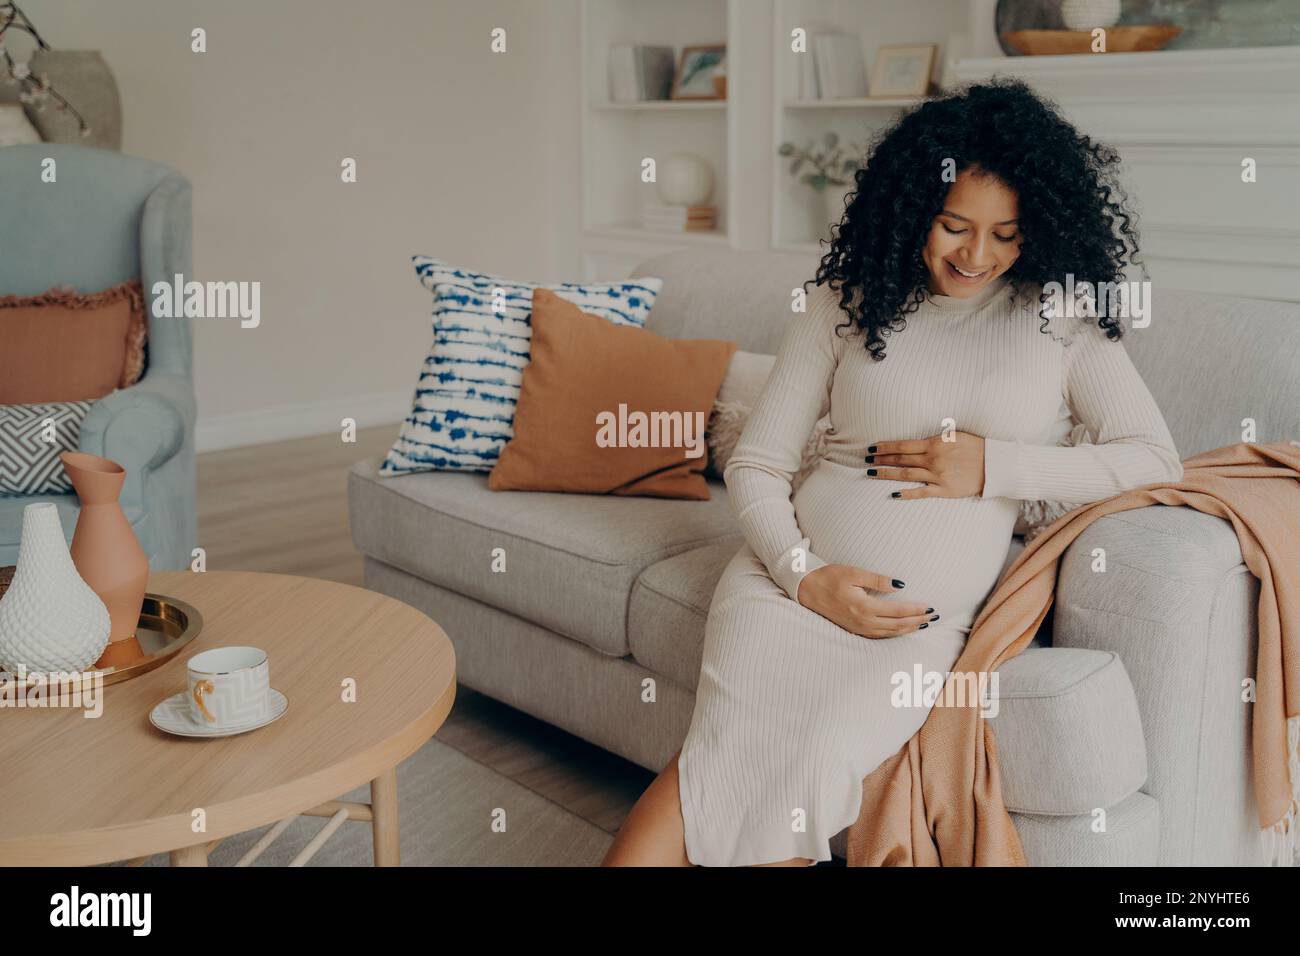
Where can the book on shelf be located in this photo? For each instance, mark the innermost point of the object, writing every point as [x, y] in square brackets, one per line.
[840, 69]
[702, 218]
[689, 227]
[638, 73]
[808, 89]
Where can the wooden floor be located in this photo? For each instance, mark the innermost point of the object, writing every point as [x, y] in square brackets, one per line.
[283, 507]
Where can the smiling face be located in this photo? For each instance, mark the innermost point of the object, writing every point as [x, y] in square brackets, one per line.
[976, 237]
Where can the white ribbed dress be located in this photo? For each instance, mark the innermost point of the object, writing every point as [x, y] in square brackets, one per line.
[792, 712]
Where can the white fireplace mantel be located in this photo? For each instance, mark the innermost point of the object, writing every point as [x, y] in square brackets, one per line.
[1197, 97]
[1184, 123]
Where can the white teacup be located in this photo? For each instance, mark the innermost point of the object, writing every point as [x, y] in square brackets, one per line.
[229, 687]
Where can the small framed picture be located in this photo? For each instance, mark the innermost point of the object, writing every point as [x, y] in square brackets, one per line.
[696, 72]
[903, 70]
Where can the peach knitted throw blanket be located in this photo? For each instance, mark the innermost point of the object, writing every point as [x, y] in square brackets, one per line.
[938, 801]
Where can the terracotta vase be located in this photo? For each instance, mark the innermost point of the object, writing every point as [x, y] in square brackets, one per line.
[104, 548]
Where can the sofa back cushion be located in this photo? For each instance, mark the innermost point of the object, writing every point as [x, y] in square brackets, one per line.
[1210, 361]
[743, 297]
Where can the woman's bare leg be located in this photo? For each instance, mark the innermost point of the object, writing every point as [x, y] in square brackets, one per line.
[653, 833]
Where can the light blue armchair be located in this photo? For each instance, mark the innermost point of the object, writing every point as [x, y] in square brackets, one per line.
[105, 219]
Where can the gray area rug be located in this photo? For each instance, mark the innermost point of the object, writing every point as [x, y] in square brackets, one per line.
[447, 804]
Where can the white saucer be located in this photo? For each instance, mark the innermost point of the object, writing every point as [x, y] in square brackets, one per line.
[173, 715]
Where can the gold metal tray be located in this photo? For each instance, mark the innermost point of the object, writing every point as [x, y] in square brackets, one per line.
[166, 625]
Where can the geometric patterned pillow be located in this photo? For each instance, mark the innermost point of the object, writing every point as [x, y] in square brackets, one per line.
[29, 460]
[463, 411]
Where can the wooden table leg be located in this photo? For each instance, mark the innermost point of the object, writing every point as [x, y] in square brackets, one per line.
[383, 802]
[196, 855]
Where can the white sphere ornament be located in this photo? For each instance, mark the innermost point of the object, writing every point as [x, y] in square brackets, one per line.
[50, 619]
[684, 179]
[1089, 14]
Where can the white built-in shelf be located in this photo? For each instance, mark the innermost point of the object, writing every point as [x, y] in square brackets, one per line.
[633, 231]
[665, 106]
[1184, 120]
[618, 137]
[798, 215]
[853, 103]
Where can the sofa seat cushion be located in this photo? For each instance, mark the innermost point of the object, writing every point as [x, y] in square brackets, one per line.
[570, 560]
[1068, 730]
[670, 604]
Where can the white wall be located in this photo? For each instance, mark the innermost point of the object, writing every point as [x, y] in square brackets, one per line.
[476, 158]
[453, 146]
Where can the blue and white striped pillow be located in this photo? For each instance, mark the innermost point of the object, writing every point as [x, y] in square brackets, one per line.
[464, 407]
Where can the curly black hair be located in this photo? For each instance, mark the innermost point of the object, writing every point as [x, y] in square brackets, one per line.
[1074, 215]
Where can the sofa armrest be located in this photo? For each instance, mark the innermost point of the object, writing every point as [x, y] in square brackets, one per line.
[141, 427]
[1160, 563]
[1177, 604]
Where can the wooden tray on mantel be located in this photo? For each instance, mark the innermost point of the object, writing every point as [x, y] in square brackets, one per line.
[1066, 42]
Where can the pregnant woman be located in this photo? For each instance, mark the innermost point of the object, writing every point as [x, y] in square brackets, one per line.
[874, 571]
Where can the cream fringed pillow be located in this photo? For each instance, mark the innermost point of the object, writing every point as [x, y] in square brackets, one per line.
[64, 346]
[727, 421]
[1035, 516]
[746, 375]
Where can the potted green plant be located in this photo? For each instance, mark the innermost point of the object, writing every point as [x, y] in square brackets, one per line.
[828, 168]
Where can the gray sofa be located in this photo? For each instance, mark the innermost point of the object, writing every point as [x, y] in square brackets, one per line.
[1128, 702]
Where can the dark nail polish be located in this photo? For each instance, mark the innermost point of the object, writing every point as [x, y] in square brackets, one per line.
[923, 627]
[935, 618]
[871, 471]
[895, 494]
[871, 449]
[897, 583]
[929, 610]
[871, 459]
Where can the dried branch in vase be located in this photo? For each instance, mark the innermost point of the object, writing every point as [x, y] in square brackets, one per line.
[34, 90]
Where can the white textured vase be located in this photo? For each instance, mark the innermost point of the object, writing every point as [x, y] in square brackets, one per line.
[50, 619]
[1089, 14]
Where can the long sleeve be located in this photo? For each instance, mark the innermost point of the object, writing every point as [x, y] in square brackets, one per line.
[1104, 392]
[767, 457]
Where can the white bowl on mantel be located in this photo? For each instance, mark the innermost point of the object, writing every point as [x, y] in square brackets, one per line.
[1090, 14]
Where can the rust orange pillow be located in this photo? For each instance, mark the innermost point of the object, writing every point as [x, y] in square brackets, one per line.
[607, 409]
[62, 346]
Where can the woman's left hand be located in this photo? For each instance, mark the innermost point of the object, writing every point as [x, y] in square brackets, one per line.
[950, 469]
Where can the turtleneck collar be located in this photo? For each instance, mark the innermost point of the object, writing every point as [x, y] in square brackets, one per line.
[949, 303]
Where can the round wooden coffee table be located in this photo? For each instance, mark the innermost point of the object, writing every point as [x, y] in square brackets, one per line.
[79, 790]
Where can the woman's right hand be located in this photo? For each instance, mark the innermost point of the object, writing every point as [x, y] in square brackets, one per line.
[842, 594]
